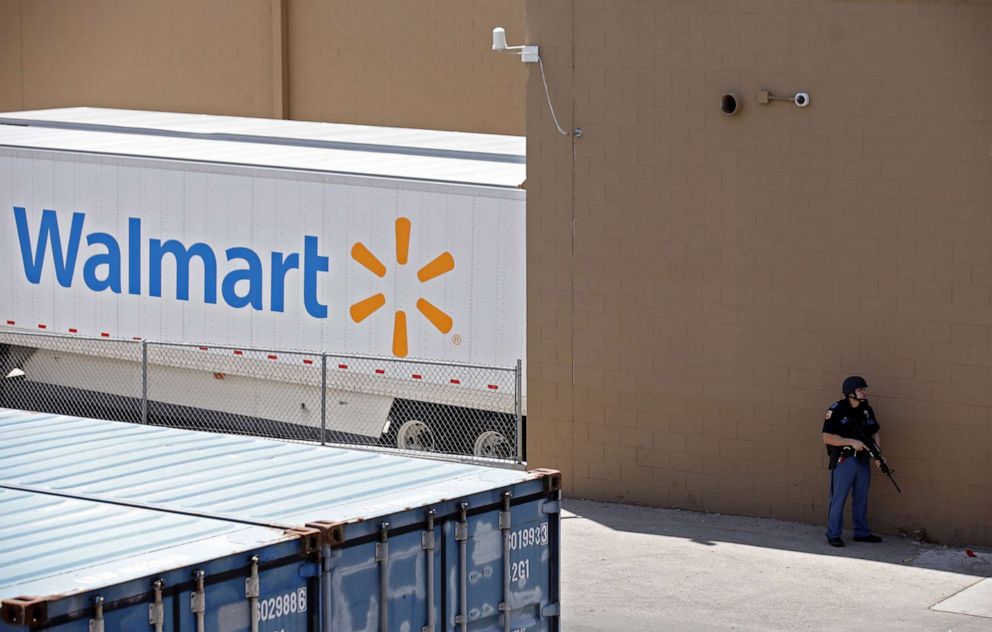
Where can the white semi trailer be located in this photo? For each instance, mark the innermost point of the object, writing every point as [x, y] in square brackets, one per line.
[236, 233]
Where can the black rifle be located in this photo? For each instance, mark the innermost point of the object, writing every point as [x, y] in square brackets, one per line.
[876, 454]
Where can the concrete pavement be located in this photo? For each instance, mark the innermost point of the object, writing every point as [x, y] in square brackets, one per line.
[638, 568]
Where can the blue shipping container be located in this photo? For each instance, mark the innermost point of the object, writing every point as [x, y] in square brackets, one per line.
[68, 564]
[405, 544]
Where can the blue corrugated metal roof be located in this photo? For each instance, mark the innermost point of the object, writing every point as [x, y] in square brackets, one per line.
[243, 478]
[55, 545]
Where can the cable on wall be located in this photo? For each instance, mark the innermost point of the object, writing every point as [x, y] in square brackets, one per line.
[547, 93]
[529, 54]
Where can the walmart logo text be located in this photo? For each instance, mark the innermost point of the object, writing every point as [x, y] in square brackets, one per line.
[241, 285]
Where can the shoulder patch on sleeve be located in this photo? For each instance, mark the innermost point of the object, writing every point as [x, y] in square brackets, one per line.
[829, 412]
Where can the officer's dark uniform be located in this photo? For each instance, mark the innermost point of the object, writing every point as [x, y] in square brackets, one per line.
[849, 471]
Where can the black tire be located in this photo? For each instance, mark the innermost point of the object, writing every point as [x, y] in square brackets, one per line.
[495, 437]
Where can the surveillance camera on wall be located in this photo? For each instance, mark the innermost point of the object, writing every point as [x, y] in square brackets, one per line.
[799, 99]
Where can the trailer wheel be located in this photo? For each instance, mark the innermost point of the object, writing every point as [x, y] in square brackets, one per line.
[415, 435]
[493, 444]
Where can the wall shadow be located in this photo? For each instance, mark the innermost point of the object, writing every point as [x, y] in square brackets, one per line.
[708, 529]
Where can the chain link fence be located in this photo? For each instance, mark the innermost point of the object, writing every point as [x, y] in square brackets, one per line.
[468, 412]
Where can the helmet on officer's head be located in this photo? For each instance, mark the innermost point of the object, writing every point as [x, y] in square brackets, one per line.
[853, 383]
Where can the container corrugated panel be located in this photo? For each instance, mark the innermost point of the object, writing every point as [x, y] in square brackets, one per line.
[67, 562]
[408, 543]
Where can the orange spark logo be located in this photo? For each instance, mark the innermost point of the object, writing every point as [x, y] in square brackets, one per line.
[364, 308]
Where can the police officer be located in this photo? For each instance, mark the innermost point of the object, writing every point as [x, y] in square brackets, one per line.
[847, 425]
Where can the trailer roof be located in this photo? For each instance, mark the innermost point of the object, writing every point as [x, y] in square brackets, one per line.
[262, 481]
[389, 152]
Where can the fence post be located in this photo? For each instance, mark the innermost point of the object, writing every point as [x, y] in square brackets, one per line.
[323, 398]
[519, 404]
[144, 381]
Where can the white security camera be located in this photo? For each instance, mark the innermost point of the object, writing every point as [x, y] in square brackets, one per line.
[799, 99]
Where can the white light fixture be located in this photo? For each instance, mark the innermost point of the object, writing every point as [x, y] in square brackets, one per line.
[528, 54]
[15, 373]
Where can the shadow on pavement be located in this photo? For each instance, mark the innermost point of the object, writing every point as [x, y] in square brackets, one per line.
[706, 529]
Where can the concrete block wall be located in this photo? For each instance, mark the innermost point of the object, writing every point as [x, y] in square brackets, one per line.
[185, 55]
[699, 285]
[407, 64]
[425, 64]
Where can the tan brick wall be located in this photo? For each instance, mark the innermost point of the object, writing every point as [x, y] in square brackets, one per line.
[699, 285]
[415, 64]
[412, 64]
[10, 55]
[183, 55]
